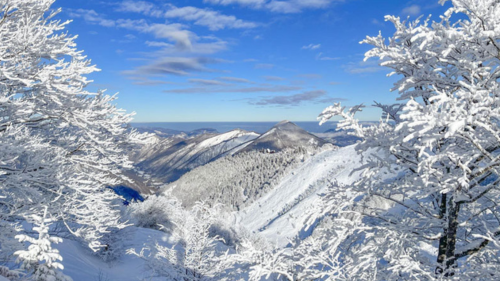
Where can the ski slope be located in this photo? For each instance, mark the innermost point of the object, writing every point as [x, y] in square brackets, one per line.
[282, 213]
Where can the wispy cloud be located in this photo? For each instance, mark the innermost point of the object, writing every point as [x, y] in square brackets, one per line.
[130, 36]
[311, 47]
[137, 7]
[179, 66]
[205, 90]
[176, 33]
[213, 20]
[330, 100]
[264, 66]
[252, 3]
[413, 10]
[159, 44]
[236, 80]
[293, 100]
[91, 16]
[278, 6]
[310, 76]
[377, 22]
[144, 81]
[166, 60]
[363, 67]
[274, 78]
[320, 56]
[206, 82]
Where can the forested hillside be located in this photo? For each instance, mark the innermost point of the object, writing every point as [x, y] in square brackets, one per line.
[236, 181]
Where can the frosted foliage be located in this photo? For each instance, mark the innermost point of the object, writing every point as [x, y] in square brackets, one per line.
[11, 275]
[60, 145]
[238, 180]
[41, 261]
[197, 254]
[157, 212]
[442, 146]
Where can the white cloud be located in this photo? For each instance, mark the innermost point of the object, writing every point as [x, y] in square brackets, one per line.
[159, 44]
[274, 78]
[173, 32]
[130, 36]
[283, 7]
[264, 66]
[211, 19]
[180, 66]
[328, 58]
[254, 3]
[236, 79]
[311, 47]
[320, 56]
[293, 99]
[207, 82]
[377, 22]
[311, 76]
[91, 16]
[136, 7]
[214, 20]
[363, 67]
[206, 90]
[413, 10]
[143, 81]
[278, 6]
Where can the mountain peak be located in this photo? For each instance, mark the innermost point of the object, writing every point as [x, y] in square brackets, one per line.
[282, 123]
[284, 134]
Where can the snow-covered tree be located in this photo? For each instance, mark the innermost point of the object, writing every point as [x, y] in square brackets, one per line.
[41, 261]
[442, 147]
[197, 254]
[60, 145]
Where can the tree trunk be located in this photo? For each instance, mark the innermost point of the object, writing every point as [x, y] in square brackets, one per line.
[444, 239]
[453, 210]
[447, 243]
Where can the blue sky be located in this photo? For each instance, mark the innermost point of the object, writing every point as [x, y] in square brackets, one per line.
[237, 60]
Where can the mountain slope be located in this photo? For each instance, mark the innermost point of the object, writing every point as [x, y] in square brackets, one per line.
[170, 158]
[282, 213]
[236, 181]
[283, 135]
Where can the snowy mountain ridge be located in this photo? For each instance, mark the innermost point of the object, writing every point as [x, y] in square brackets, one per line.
[282, 213]
[170, 158]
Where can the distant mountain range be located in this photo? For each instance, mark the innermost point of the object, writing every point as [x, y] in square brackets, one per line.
[171, 157]
[165, 132]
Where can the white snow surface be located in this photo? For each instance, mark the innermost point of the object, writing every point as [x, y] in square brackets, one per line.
[278, 216]
[81, 265]
[282, 213]
[241, 136]
[169, 157]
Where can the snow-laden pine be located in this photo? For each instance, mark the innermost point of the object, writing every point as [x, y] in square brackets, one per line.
[40, 259]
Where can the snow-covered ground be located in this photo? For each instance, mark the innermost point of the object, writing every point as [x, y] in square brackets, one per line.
[281, 214]
[81, 265]
[278, 216]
